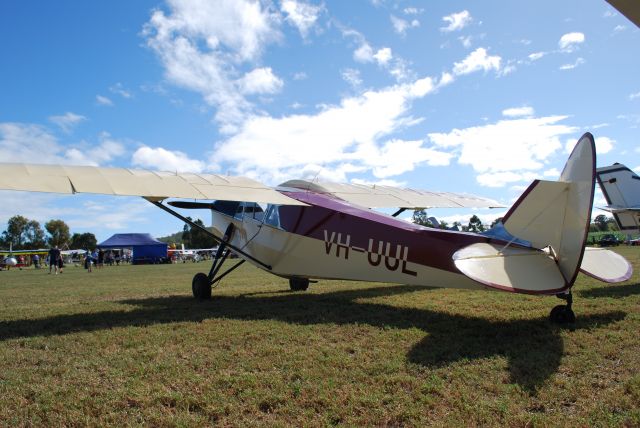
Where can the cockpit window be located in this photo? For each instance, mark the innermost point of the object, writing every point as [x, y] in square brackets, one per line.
[239, 211]
[272, 216]
[254, 210]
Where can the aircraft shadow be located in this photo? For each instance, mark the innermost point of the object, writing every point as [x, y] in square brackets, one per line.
[533, 348]
[617, 291]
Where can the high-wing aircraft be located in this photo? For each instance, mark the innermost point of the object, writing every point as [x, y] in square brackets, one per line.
[304, 230]
[621, 189]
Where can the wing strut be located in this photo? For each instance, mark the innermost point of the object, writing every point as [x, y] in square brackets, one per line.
[221, 241]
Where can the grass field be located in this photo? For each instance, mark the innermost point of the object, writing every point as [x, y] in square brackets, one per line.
[129, 346]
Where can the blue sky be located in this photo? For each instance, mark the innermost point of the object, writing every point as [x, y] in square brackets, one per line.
[477, 97]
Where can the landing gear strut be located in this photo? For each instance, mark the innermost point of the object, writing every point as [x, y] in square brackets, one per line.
[202, 283]
[563, 314]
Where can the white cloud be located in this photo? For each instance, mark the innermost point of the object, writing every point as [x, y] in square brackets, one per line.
[67, 121]
[383, 56]
[456, 21]
[515, 145]
[476, 61]
[300, 75]
[570, 41]
[619, 28]
[274, 149]
[260, 81]
[165, 160]
[466, 41]
[603, 145]
[500, 179]
[103, 101]
[536, 56]
[518, 111]
[397, 156]
[301, 15]
[105, 151]
[412, 11]
[352, 76]
[401, 25]
[634, 96]
[364, 52]
[579, 61]
[553, 172]
[32, 143]
[119, 89]
[203, 44]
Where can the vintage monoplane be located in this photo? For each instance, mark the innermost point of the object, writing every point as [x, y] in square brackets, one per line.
[304, 230]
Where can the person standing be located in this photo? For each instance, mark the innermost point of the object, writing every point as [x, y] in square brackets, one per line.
[36, 261]
[100, 259]
[54, 255]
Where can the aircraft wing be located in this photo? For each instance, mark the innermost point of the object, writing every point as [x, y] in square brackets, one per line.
[376, 196]
[152, 185]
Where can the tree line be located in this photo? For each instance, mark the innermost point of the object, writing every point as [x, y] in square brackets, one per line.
[601, 223]
[25, 234]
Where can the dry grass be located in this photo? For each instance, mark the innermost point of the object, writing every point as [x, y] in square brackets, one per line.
[129, 346]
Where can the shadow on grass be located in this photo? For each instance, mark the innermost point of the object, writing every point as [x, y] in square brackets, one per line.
[617, 291]
[533, 348]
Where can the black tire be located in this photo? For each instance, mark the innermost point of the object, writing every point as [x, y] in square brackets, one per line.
[299, 284]
[561, 314]
[201, 287]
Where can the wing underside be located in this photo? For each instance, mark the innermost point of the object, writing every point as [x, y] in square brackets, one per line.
[135, 182]
[377, 196]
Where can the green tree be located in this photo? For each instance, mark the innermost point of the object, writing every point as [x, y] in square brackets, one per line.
[34, 236]
[82, 241]
[475, 225]
[58, 232]
[420, 217]
[444, 225]
[15, 233]
[186, 234]
[601, 222]
[612, 225]
[199, 238]
[495, 222]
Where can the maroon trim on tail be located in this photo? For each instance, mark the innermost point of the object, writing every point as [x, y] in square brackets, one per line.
[589, 136]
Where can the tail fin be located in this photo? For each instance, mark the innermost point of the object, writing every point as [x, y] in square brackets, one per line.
[621, 189]
[556, 214]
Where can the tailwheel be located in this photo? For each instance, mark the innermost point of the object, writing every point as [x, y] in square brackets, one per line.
[201, 286]
[563, 314]
[298, 284]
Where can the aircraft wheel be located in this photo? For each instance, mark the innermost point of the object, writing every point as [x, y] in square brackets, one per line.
[298, 284]
[201, 286]
[561, 314]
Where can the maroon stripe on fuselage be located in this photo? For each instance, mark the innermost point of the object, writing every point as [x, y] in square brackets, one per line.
[368, 230]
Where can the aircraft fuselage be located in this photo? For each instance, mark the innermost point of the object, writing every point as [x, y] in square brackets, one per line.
[332, 239]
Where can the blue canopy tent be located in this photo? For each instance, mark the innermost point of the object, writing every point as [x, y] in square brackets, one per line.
[145, 248]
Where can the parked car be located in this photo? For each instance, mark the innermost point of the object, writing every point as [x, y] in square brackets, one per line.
[634, 241]
[609, 240]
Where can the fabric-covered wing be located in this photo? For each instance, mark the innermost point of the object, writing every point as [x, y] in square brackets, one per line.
[376, 196]
[136, 182]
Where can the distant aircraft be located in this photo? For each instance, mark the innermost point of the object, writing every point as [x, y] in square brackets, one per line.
[191, 254]
[303, 230]
[621, 189]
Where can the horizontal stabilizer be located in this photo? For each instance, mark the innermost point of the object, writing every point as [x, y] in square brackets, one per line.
[605, 265]
[510, 268]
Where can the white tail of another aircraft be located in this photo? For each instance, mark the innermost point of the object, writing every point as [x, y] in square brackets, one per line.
[621, 189]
